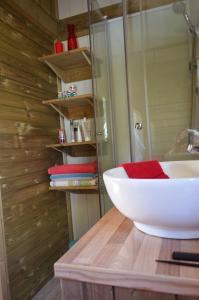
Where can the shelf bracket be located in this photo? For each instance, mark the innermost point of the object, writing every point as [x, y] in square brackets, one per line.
[58, 110]
[86, 58]
[94, 146]
[61, 151]
[90, 102]
[55, 69]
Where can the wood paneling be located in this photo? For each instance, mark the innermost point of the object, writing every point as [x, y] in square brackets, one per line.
[26, 78]
[4, 285]
[34, 13]
[81, 21]
[34, 218]
[23, 26]
[4, 291]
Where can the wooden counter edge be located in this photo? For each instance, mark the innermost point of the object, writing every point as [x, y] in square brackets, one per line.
[138, 281]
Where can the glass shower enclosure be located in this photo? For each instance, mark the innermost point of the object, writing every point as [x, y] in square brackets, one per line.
[102, 97]
[142, 83]
[158, 55]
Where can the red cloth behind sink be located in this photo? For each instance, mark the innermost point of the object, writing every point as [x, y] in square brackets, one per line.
[145, 170]
[74, 168]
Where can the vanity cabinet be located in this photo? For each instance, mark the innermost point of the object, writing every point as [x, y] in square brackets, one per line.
[116, 261]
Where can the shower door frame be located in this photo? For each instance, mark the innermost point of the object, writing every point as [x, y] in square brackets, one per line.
[99, 131]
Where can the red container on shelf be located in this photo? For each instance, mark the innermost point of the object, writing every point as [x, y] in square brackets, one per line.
[59, 47]
[72, 40]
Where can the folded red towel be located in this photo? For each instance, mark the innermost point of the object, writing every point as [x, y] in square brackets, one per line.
[74, 168]
[144, 170]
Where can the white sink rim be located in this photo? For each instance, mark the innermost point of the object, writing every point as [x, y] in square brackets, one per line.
[181, 192]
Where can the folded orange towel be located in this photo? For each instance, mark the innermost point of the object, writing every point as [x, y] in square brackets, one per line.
[74, 168]
[145, 170]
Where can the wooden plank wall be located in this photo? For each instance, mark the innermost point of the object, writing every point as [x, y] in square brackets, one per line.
[4, 285]
[35, 220]
[38, 12]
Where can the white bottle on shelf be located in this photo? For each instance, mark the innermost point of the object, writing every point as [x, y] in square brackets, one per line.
[86, 127]
[72, 133]
[79, 134]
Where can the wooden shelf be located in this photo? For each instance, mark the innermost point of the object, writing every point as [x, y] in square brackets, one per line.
[71, 101]
[75, 107]
[76, 189]
[74, 144]
[76, 149]
[73, 65]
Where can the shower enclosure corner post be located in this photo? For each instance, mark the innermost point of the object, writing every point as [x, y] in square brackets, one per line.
[102, 96]
[89, 6]
[130, 117]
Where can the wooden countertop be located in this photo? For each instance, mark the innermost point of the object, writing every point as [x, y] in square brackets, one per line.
[114, 252]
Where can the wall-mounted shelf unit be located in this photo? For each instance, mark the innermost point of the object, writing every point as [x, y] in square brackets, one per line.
[70, 66]
[76, 148]
[75, 107]
[71, 101]
[73, 65]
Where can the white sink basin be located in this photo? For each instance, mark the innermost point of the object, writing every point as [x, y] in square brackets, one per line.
[162, 207]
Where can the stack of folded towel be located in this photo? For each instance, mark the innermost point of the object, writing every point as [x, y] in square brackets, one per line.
[73, 175]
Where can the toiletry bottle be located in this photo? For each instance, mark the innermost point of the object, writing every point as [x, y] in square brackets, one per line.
[72, 133]
[86, 128]
[72, 40]
[75, 133]
[79, 134]
[59, 47]
[75, 128]
[61, 136]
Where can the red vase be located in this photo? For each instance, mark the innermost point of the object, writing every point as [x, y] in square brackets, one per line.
[72, 40]
[59, 47]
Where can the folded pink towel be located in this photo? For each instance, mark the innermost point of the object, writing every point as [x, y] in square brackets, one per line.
[145, 170]
[74, 168]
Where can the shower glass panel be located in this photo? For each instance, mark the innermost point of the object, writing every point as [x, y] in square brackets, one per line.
[158, 55]
[119, 93]
[102, 95]
[142, 83]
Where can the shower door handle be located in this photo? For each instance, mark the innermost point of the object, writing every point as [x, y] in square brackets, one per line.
[138, 126]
